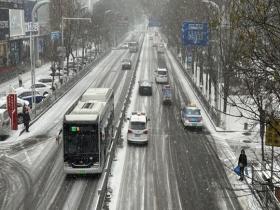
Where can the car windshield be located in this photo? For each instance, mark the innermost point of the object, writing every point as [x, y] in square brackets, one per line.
[137, 125]
[162, 72]
[192, 112]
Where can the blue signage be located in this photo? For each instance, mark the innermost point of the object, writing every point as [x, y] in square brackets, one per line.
[194, 33]
[153, 22]
[55, 35]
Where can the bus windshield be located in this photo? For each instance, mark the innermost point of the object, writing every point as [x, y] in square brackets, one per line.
[80, 139]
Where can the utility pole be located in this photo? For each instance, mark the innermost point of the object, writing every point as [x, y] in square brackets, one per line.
[35, 8]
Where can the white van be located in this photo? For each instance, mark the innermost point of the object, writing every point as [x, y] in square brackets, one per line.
[4, 123]
[161, 75]
[137, 129]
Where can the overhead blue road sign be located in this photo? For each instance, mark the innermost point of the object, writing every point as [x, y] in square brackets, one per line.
[153, 22]
[55, 35]
[194, 33]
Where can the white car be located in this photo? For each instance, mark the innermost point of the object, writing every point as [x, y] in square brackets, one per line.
[20, 104]
[191, 117]
[4, 123]
[138, 130]
[47, 81]
[161, 75]
[42, 88]
[124, 45]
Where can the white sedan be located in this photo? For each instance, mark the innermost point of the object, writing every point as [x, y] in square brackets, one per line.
[42, 88]
[138, 130]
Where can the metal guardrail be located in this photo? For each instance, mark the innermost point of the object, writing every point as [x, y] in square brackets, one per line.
[44, 106]
[117, 135]
[263, 191]
[214, 115]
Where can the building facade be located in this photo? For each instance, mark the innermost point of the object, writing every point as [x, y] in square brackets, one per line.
[15, 26]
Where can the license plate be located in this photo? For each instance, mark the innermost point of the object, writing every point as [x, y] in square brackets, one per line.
[137, 135]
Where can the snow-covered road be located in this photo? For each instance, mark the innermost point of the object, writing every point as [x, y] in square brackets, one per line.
[178, 169]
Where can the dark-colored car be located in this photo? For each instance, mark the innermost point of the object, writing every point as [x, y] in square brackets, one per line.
[27, 95]
[126, 64]
[145, 88]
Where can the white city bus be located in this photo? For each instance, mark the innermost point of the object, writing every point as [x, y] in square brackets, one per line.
[88, 132]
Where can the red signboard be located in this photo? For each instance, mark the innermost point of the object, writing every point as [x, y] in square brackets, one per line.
[12, 110]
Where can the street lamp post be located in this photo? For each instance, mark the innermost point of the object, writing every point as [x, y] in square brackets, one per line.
[35, 8]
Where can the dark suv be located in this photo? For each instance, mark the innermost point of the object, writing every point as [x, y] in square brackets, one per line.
[145, 88]
[126, 64]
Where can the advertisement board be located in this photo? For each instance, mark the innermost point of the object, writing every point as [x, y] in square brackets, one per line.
[17, 24]
[11, 4]
[12, 110]
[4, 24]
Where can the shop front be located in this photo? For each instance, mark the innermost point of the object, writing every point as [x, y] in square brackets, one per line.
[4, 37]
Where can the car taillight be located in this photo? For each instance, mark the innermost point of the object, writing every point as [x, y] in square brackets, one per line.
[145, 131]
[199, 119]
[189, 118]
[129, 131]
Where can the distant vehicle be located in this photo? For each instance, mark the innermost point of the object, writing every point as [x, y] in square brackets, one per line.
[47, 81]
[20, 103]
[26, 94]
[161, 75]
[191, 116]
[160, 48]
[42, 88]
[145, 88]
[126, 64]
[133, 47]
[56, 74]
[88, 132]
[166, 94]
[125, 45]
[4, 123]
[137, 128]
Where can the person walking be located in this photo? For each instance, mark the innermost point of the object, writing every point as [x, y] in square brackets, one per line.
[26, 117]
[19, 80]
[242, 162]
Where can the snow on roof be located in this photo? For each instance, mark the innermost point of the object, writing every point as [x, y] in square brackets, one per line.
[100, 94]
[145, 83]
[161, 69]
[139, 117]
[89, 107]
